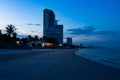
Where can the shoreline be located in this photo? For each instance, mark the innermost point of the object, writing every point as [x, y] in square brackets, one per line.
[105, 61]
[57, 65]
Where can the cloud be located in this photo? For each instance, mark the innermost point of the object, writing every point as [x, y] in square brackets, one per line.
[95, 36]
[31, 24]
[79, 31]
[90, 31]
[106, 33]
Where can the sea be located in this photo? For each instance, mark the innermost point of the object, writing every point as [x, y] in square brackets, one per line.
[106, 56]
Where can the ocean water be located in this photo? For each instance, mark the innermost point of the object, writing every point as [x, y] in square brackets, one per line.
[106, 56]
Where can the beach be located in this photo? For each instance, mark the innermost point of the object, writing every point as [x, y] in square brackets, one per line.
[53, 64]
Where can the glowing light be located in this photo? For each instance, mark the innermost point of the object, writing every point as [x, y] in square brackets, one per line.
[48, 44]
[60, 44]
[17, 42]
[43, 45]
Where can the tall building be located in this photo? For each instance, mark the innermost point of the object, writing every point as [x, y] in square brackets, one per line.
[69, 41]
[48, 20]
[50, 27]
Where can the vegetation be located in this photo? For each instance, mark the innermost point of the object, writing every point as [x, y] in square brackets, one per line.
[10, 30]
[10, 40]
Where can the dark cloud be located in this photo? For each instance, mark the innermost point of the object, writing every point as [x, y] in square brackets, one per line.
[31, 24]
[79, 31]
[90, 30]
[106, 32]
[108, 38]
[37, 24]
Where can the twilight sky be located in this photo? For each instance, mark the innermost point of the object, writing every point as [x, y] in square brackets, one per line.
[94, 22]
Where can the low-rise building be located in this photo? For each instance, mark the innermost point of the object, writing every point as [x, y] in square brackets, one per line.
[69, 41]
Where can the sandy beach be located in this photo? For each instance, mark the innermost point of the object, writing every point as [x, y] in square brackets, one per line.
[57, 64]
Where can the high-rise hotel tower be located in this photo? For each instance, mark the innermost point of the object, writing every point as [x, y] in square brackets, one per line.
[50, 27]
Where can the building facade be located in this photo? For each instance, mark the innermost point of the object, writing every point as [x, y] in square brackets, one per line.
[50, 27]
[48, 20]
[69, 41]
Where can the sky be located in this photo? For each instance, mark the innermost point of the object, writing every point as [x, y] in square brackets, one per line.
[88, 22]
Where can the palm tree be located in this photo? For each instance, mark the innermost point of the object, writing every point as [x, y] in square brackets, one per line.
[10, 30]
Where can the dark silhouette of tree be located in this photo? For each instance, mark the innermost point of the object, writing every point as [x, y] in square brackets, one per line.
[24, 42]
[9, 39]
[0, 33]
[41, 39]
[36, 38]
[14, 35]
[1, 40]
[6, 40]
[30, 38]
[10, 30]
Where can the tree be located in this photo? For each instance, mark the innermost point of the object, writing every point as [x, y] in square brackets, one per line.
[10, 30]
[30, 38]
[14, 35]
[41, 39]
[0, 33]
[24, 42]
[36, 38]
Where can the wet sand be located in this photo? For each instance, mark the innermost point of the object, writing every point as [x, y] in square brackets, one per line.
[55, 65]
